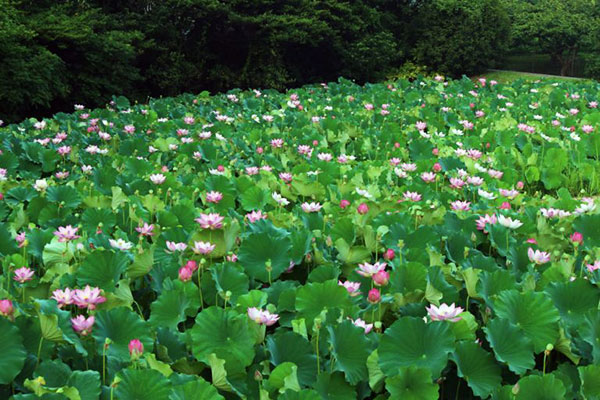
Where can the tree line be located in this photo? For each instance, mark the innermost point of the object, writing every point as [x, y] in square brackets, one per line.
[55, 53]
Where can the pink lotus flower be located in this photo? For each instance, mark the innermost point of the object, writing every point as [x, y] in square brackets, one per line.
[277, 143]
[66, 233]
[64, 150]
[456, 183]
[531, 241]
[6, 308]
[362, 209]
[120, 244]
[185, 274]
[411, 196]
[129, 129]
[593, 267]
[176, 246]
[460, 205]
[428, 177]
[344, 203]
[311, 207]
[21, 239]
[87, 297]
[444, 312]
[505, 205]
[210, 221]
[368, 270]
[374, 296]
[485, 220]
[82, 325]
[508, 222]
[214, 197]
[136, 349]
[420, 125]
[262, 317]
[362, 324]
[63, 297]
[538, 257]
[255, 216]
[23, 274]
[285, 176]
[587, 128]
[145, 230]
[381, 278]
[203, 247]
[577, 237]
[351, 287]
[158, 179]
[62, 174]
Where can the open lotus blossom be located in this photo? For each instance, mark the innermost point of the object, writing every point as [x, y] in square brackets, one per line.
[203, 247]
[87, 297]
[428, 177]
[586, 206]
[63, 297]
[285, 176]
[262, 317]
[368, 270]
[593, 267]
[509, 222]
[23, 274]
[311, 207]
[411, 196]
[40, 185]
[6, 308]
[21, 239]
[538, 257]
[210, 221]
[351, 287]
[362, 324]
[214, 197]
[509, 193]
[145, 230]
[486, 195]
[255, 216]
[157, 179]
[444, 312]
[176, 246]
[120, 244]
[420, 125]
[279, 199]
[83, 325]
[460, 205]
[66, 233]
[554, 213]
[485, 220]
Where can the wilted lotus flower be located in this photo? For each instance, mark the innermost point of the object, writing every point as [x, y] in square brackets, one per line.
[351, 287]
[368, 270]
[157, 179]
[120, 244]
[444, 312]
[538, 257]
[87, 297]
[509, 222]
[66, 233]
[203, 247]
[210, 221]
[176, 246]
[362, 324]
[82, 325]
[23, 275]
[311, 207]
[262, 317]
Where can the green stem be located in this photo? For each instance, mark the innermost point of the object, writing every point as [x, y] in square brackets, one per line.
[39, 352]
[457, 389]
[317, 351]
[200, 286]
[544, 370]
[104, 365]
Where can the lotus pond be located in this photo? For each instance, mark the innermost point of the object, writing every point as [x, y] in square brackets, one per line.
[411, 240]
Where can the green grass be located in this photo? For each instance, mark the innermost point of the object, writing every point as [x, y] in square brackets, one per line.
[510, 76]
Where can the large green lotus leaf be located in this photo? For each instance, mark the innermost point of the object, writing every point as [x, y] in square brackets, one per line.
[344, 229]
[589, 227]
[19, 195]
[197, 389]
[254, 198]
[351, 254]
[93, 217]
[121, 325]
[66, 195]
[590, 332]
[284, 377]
[306, 394]
[313, 298]
[224, 333]
[142, 384]
[230, 277]
[510, 345]
[409, 281]
[55, 372]
[87, 383]
[301, 242]
[258, 249]
[492, 283]
[533, 312]
[546, 387]
[350, 349]
[478, 368]
[8, 245]
[334, 387]
[37, 240]
[55, 325]
[142, 264]
[174, 304]
[590, 381]
[573, 299]
[410, 341]
[12, 351]
[102, 268]
[287, 346]
[412, 383]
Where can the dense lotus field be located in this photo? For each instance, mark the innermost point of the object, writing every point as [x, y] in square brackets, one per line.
[424, 240]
